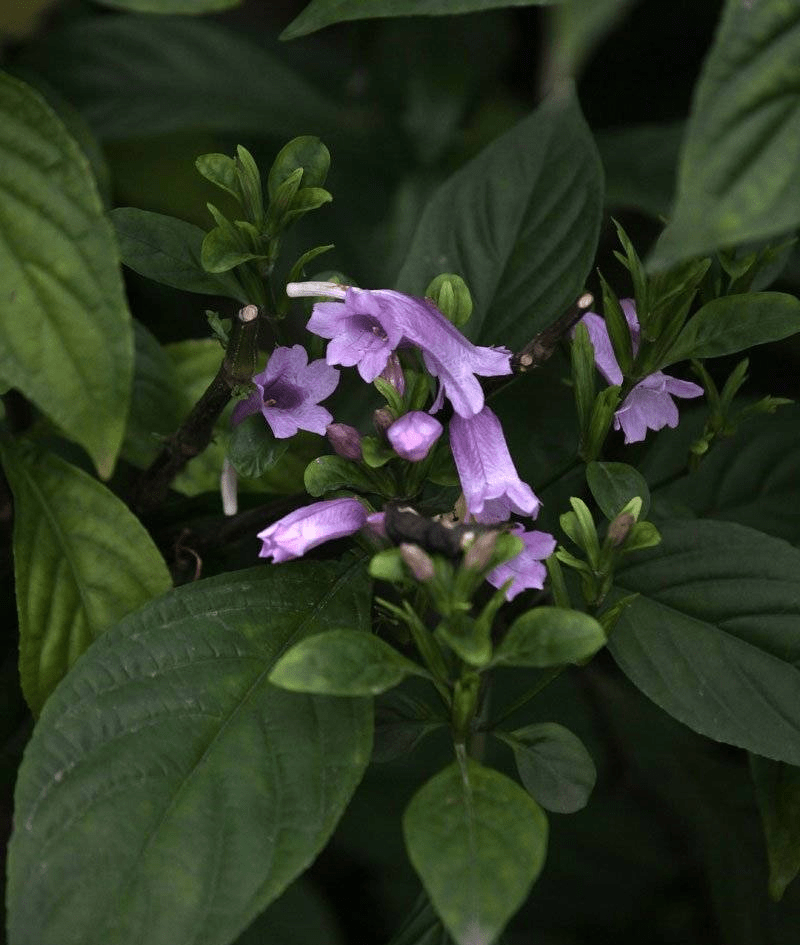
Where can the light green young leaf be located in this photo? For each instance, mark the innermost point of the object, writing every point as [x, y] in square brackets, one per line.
[156, 783]
[342, 663]
[478, 842]
[167, 250]
[778, 793]
[170, 6]
[67, 339]
[82, 561]
[549, 636]
[737, 179]
[712, 637]
[613, 485]
[525, 261]
[553, 764]
[321, 13]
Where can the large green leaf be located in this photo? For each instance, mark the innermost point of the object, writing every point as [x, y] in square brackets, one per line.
[519, 223]
[577, 27]
[738, 172]
[321, 13]
[778, 792]
[167, 250]
[66, 339]
[478, 842]
[170, 6]
[82, 561]
[171, 791]
[713, 635]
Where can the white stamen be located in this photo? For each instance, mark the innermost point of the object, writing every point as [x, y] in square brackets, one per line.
[331, 290]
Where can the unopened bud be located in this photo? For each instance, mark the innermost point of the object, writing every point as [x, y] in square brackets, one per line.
[450, 295]
[393, 374]
[480, 552]
[382, 418]
[418, 562]
[345, 440]
[620, 527]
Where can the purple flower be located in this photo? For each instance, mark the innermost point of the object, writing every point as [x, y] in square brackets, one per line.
[649, 406]
[299, 531]
[366, 326]
[526, 570]
[491, 484]
[288, 392]
[413, 435]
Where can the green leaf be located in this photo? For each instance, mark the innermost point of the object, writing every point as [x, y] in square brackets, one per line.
[253, 448]
[549, 636]
[321, 13]
[778, 793]
[736, 322]
[82, 561]
[613, 485]
[171, 6]
[577, 27]
[478, 842]
[342, 663]
[67, 340]
[712, 637]
[327, 473]
[737, 179]
[306, 154]
[553, 764]
[167, 250]
[171, 790]
[301, 915]
[525, 261]
[421, 926]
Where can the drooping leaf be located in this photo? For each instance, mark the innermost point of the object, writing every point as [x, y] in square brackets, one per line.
[167, 250]
[171, 790]
[519, 224]
[778, 792]
[737, 179]
[549, 636]
[553, 764]
[170, 6]
[712, 637]
[82, 561]
[478, 842]
[321, 13]
[613, 485]
[736, 322]
[67, 340]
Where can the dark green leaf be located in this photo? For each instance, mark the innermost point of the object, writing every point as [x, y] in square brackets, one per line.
[400, 724]
[519, 224]
[778, 793]
[578, 27]
[321, 13]
[737, 178]
[301, 916]
[307, 154]
[67, 340]
[422, 926]
[171, 6]
[167, 250]
[82, 561]
[712, 637]
[327, 473]
[253, 448]
[478, 842]
[613, 485]
[736, 322]
[342, 663]
[550, 636]
[171, 790]
[554, 765]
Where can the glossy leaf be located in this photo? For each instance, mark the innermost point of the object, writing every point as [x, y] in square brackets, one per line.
[82, 561]
[321, 13]
[67, 340]
[171, 790]
[519, 223]
[613, 485]
[327, 473]
[167, 250]
[342, 663]
[253, 448]
[712, 637]
[549, 636]
[478, 842]
[737, 178]
[736, 322]
[554, 765]
[171, 6]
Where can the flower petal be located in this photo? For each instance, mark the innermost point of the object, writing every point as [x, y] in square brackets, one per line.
[305, 528]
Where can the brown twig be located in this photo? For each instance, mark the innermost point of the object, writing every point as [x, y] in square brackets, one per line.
[542, 346]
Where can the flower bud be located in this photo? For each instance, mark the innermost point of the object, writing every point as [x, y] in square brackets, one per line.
[413, 435]
[619, 528]
[382, 419]
[418, 562]
[345, 440]
[479, 553]
[393, 374]
[450, 295]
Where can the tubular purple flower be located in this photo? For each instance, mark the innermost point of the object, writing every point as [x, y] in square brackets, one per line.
[413, 435]
[649, 406]
[371, 324]
[491, 484]
[526, 570]
[299, 531]
[288, 392]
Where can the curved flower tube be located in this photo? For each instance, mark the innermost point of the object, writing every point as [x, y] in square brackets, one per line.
[299, 531]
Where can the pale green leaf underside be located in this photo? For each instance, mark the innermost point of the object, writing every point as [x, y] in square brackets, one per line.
[171, 791]
[82, 561]
[737, 179]
[321, 13]
[66, 339]
[519, 223]
[712, 637]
